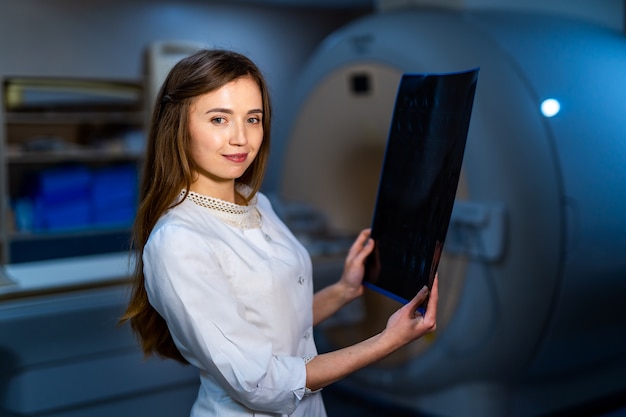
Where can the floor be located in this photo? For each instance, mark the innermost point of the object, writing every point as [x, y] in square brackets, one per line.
[340, 403]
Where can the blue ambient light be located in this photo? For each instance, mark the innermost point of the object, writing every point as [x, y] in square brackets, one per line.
[550, 107]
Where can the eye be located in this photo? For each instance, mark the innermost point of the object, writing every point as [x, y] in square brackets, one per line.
[254, 120]
[218, 120]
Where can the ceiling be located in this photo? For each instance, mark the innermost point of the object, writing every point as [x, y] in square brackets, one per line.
[326, 4]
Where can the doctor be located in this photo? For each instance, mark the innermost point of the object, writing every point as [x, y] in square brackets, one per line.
[220, 282]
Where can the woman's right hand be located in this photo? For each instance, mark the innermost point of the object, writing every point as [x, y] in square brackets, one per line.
[408, 324]
[404, 326]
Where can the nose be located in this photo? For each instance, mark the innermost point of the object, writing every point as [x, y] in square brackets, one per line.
[238, 136]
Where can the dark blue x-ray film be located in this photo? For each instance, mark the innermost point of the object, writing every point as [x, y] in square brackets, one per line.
[419, 180]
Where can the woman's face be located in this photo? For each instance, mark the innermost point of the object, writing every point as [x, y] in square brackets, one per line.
[226, 131]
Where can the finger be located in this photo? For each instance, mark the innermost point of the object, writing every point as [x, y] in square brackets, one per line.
[362, 238]
[419, 298]
[362, 241]
[364, 252]
[433, 300]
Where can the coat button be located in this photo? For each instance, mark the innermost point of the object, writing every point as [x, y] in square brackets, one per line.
[307, 335]
[301, 280]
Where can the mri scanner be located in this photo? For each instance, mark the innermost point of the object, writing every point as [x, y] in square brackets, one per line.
[533, 278]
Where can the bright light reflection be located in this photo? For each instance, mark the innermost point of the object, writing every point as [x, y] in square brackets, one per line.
[550, 107]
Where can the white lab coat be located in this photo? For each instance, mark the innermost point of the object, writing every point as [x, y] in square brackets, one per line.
[239, 308]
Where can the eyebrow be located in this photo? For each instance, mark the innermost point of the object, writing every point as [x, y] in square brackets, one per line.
[229, 111]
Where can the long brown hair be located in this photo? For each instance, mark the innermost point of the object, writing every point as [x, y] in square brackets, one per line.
[168, 169]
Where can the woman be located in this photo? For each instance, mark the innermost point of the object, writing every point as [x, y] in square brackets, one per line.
[220, 282]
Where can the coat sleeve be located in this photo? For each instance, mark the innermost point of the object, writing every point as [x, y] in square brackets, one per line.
[189, 289]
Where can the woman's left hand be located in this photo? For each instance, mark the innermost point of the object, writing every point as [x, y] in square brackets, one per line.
[354, 266]
[328, 300]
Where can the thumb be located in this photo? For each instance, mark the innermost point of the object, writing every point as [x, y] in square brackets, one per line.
[418, 300]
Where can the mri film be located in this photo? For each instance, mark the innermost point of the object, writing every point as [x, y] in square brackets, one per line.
[419, 179]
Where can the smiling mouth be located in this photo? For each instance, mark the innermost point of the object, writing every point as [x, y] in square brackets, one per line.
[237, 157]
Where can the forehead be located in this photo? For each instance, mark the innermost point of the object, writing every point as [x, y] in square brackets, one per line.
[242, 91]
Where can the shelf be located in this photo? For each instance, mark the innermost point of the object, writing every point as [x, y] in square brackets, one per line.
[67, 234]
[42, 246]
[75, 117]
[72, 155]
[62, 140]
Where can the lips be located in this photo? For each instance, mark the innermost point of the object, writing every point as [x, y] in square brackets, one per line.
[236, 157]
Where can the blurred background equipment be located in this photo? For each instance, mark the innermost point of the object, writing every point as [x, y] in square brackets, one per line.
[532, 318]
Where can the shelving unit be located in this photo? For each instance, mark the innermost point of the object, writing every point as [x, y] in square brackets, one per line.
[70, 155]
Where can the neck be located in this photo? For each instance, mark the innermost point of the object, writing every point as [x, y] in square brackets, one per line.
[226, 193]
[223, 191]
